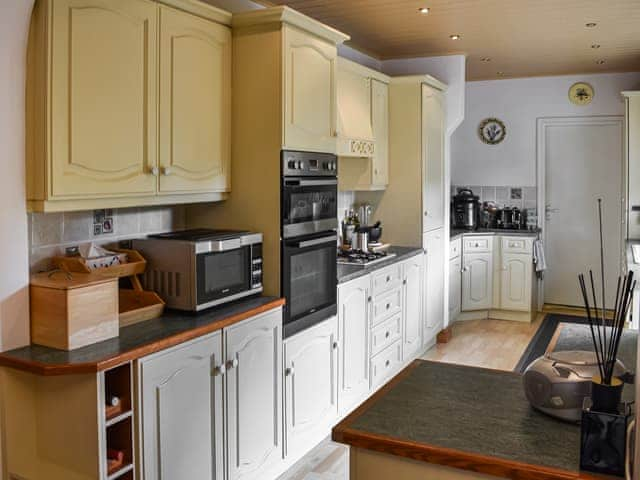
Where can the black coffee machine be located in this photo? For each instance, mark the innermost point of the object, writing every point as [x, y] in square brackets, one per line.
[466, 210]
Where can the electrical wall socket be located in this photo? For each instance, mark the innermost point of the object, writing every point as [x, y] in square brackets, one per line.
[73, 251]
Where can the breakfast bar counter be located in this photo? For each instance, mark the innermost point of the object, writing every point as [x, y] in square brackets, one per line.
[135, 341]
[437, 420]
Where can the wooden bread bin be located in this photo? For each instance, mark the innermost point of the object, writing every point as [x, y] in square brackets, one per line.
[72, 310]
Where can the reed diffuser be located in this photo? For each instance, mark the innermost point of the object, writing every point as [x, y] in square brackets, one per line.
[606, 389]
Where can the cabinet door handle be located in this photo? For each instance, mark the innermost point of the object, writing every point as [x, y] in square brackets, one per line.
[404, 282]
[154, 171]
[166, 170]
[387, 363]
[388, 278]
[335, 345]
[369, 299]
[219, 371]
[386, 335]
[232, 364]
[426, 213]
[388, 306]
[289, 371]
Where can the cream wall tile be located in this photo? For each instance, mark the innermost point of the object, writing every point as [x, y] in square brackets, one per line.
[46, 229]
[76, 226]
[127, 221]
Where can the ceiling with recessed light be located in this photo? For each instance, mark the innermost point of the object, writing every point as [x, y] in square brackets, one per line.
[520, 38]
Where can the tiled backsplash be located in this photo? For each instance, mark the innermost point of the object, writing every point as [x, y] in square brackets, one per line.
[51, 233]
[520, 197]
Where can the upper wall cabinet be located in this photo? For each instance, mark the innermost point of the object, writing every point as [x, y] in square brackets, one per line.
[93, 104]
[363, 127]
[195, 103]
[285, 68]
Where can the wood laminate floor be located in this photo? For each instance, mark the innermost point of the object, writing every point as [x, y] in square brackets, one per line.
[487, 343]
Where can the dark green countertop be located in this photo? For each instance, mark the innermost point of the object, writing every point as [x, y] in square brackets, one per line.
[467, 410]
[351, 272]
[134, 341]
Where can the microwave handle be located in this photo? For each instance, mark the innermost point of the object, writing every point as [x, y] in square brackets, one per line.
[310, 183]
[316, 241]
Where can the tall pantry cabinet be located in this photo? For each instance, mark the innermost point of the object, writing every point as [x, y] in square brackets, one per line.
[412, 208]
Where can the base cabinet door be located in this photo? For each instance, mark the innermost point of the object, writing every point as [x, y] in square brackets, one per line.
[434, 285]
[354, 307]
[310, 385]
[253, 353]
[477, 281]
[181, 412]
[455, 287]
[515, 282]
[412, 308]
[103, 98]
[310, 69]
[195, 104]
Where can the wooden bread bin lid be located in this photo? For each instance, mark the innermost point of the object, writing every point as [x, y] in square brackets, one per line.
[60, 280]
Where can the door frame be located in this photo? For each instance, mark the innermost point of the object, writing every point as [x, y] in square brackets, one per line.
[542, 123]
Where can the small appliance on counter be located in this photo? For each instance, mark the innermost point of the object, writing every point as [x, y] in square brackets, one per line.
[558, 382]
[201, 268]
[466, 210]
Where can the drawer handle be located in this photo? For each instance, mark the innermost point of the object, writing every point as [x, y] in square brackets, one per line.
[335, 345]
[388, 306]
[386, 335]
[387, 363]
[404, 282]
[388, 278]
[369, 299]
[219, 371]
[477, 244]
[232, 364]
[289, 371]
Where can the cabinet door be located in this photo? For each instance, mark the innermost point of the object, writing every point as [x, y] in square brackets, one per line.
[516, 282]
[309, 92]
[181, 414]
[253, 350]
[477, 281]
[380, 124]
[433, 125]
[195, 104]
[434, 285]
[311, 386]
[103, 98]
[354, 308]
[412, 308]
[455, 287]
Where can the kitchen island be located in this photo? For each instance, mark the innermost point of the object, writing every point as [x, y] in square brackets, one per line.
[450, 422]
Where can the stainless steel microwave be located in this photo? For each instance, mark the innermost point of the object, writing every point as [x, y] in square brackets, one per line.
[197, 269]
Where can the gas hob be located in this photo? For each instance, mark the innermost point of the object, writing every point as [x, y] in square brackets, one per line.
[360, 258]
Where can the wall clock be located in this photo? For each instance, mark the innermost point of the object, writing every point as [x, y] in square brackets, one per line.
[581, 93]
[492, 131]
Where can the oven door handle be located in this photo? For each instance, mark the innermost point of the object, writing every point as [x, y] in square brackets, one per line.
[310, 183]
[316, 241]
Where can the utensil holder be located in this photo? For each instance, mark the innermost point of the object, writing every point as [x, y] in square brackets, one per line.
[603, 439]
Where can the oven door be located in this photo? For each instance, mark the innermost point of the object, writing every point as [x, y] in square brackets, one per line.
[222, 276]
[309, 281]
[309, 205]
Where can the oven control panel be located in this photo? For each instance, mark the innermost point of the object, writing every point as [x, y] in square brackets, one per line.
[308, 164]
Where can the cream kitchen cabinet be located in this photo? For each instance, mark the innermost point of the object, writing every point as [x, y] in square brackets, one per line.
[310, 386]
[310, 69]
[413, 275]
[380, 124]
[516, 273]
[99, 81]
[354, 312]
[433, 170]
[434, 285]
[477, 281]
[181, 425]
[253, 400]
[195, 104]
[455, 279]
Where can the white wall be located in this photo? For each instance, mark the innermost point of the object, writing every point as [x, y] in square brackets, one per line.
[518, 103]
[14, 275]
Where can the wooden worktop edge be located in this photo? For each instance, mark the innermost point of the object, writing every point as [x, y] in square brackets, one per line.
[344, 433]
[46, 369]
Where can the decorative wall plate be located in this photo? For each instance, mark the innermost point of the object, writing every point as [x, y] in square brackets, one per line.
[492, 131]
[581, 93]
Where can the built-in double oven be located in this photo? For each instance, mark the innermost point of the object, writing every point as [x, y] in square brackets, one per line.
[309, 200]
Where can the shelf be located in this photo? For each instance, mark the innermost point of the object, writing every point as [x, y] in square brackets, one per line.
[118, 418]
[118, 383]
[121, 472]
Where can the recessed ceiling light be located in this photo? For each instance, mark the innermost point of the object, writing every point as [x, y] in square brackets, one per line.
[590, 24]
[601, 62]
[455, 36]
[485, 59]
[423, 10]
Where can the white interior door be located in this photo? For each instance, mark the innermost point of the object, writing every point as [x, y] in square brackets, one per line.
[582, 162]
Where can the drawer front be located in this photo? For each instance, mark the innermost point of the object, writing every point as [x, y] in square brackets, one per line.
[386, 305]
[455, 248]
[386, 333]
[517, 245]
[386, 278]
[477, 244]
[386, 364]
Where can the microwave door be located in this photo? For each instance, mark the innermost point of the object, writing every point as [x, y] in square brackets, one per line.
[222, 275]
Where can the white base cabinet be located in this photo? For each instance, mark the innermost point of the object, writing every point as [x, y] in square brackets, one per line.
[412, 293]
[182, 415]
[310, 386]
[433, 285]
[455, 279]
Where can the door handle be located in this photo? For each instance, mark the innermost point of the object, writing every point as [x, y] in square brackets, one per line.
[317, 241]
[231, 364]
[154, 171]
[219, 371]
[166, 170]
[289, 371]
